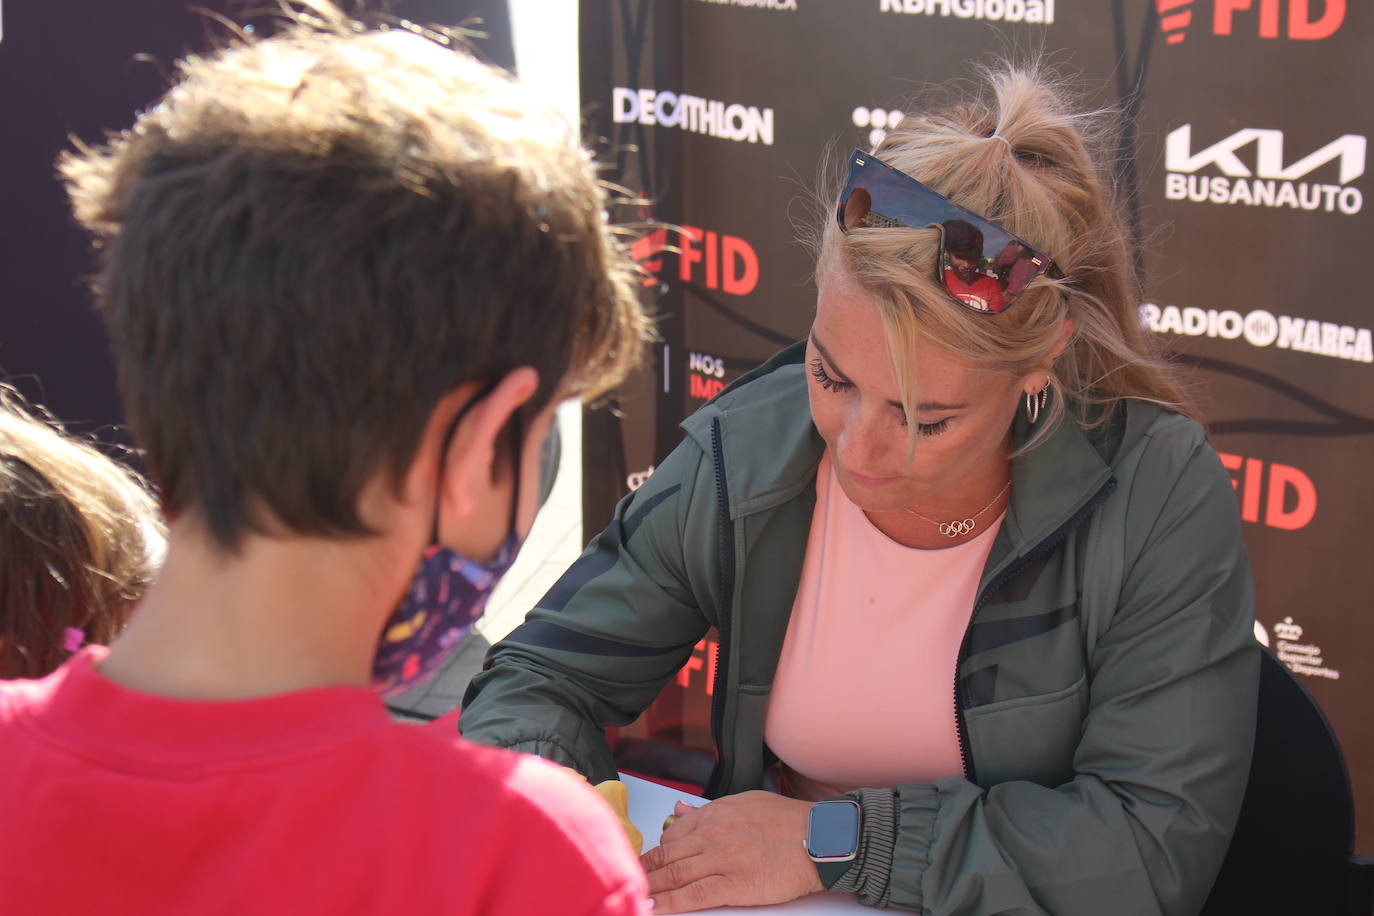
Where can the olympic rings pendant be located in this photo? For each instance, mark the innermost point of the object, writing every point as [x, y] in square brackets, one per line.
[956, 528]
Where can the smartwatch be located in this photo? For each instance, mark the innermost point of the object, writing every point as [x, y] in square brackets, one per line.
[832, 838]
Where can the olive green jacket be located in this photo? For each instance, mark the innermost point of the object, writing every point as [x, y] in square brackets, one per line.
[1104, 694]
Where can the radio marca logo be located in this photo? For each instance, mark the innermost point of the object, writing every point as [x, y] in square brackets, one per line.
[1269, 182]
[1308, 20]
[1262, 328]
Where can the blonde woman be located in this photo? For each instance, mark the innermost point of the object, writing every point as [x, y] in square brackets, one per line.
[80, 541]
[984, 608]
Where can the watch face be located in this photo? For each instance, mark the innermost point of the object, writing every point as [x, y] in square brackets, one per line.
[834, 831]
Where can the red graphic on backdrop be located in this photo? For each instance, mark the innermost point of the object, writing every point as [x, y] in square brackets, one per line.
[647, 250]
[728, 263]
[1307, 20]
[713, 259]
[1286, 495]
[704, 656]
[1174, 24]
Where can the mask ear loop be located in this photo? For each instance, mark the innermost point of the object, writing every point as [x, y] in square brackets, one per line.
[518, 448]
[443, 454]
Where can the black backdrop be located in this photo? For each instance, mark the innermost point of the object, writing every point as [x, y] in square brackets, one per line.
[1245, 154]
[76, 69]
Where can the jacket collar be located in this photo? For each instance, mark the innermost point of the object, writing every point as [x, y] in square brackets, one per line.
[771, 451]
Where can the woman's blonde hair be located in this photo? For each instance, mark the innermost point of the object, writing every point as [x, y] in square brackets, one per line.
[80, 540]
[1014, 151]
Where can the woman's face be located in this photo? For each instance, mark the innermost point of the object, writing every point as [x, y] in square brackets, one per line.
[964, 414]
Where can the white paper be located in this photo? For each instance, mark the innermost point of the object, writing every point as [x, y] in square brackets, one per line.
[650, 803]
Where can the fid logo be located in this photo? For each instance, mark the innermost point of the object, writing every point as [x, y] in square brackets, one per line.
[1175, 17]
[718, 261]
[1289, 496]
[705, 656]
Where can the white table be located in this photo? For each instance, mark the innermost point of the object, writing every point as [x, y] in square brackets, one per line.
[650, 803]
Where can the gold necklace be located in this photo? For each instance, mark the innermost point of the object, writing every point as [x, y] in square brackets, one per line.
[960, 527]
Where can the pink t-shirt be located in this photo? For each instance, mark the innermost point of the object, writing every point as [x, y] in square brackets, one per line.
[117, 802]
[864, 691]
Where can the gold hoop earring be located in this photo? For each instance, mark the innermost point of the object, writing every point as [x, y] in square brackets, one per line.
[1036, 401]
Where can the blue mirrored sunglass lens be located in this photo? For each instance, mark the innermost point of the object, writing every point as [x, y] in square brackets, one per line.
[981, 265]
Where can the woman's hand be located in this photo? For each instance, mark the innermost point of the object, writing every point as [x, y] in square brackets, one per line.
[741, 850]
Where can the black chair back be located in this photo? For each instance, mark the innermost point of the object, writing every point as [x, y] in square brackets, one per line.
[1291, 852]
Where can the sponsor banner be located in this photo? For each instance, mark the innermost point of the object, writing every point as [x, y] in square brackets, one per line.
[713, 259]
[1275, 494]
[777, 5]
[727, 121]
[877, 121]
[988, 10]
[1262, 328]
[1267, 181]
[1243, 190]
[1304, 20]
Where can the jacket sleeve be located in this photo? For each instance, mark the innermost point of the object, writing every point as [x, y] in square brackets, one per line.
[597, 648]
[1161, 767]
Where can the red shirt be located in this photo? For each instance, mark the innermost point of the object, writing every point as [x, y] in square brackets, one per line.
[114, 802]
[983, 293]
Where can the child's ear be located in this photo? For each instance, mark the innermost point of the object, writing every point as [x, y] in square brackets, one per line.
[474, 461]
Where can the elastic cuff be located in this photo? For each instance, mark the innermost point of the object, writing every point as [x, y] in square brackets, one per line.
[551, 750]
[871, 873]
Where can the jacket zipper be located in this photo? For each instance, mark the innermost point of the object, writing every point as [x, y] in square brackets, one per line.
[1044, 547]
[726, 546]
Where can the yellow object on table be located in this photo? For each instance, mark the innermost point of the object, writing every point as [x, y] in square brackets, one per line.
[613, 790]
[616, 795]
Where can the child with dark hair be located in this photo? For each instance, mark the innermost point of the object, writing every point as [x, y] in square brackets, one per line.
[963, 269]
[348, 274]
[80, 541]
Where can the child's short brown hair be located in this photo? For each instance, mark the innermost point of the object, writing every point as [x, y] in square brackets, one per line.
[313, 237]
[80, 540]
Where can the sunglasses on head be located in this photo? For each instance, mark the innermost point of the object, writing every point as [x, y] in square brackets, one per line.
[981, 265]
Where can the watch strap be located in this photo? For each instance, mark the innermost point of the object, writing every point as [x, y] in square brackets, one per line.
[830, 872]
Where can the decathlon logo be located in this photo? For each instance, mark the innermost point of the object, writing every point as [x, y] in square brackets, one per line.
[732, 121]
[877, 121]
[1307, 20]
[1262, 328]
[1041, 11]
[1269, 183]
[758, 4]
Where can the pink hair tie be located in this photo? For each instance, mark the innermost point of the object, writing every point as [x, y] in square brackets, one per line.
[72, 639]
